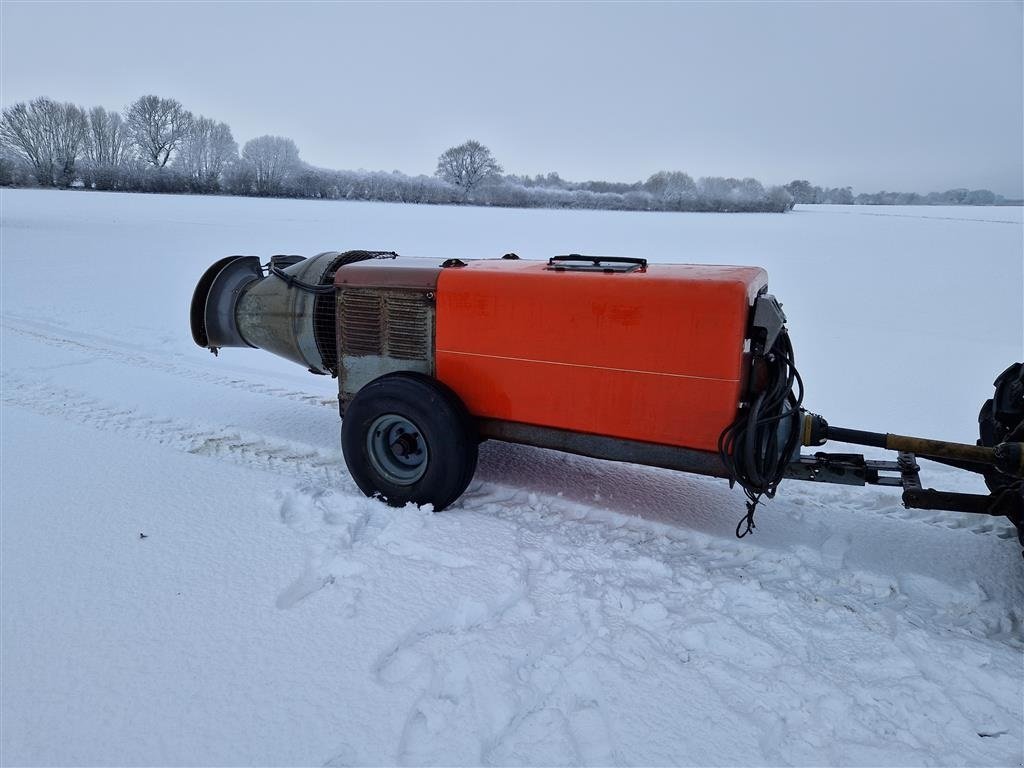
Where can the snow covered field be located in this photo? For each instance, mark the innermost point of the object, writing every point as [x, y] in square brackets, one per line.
[565, 611]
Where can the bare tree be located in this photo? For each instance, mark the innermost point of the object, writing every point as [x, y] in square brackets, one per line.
[108, 142]
[23, 130]
[206, 151]
[48, 134]
[157, 126]
[238, 178]
[274, 159]
[467, 166]
[70, 128]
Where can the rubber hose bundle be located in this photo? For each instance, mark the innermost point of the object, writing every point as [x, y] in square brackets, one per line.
[750, 447]
[348, 257]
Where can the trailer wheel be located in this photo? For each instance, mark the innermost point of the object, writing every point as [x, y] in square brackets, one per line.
[407, 437]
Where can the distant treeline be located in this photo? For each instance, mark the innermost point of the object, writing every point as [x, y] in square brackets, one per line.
[803, 192]
[159, 146]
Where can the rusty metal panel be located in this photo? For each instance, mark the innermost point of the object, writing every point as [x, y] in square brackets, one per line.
[409, 326]
[404, 272]
[381, 331]
[359, 322]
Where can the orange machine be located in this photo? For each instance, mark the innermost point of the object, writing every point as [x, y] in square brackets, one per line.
[654, 354]
[671, 365]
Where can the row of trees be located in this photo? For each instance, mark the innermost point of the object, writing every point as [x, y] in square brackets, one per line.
[159, 146]
[803, 191]
[471, 168]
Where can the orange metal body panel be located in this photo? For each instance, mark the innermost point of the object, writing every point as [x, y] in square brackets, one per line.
[655, 356]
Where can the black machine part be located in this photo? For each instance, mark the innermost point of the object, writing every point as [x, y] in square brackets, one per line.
[576, 262]
[213, 322]
[998, 456]
[761, 447]
[758, 446]
[1001, 419]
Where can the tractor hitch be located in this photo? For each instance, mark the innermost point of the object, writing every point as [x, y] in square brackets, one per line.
[1001, 464]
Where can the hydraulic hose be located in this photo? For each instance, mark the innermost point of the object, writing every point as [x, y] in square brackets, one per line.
[756, 448]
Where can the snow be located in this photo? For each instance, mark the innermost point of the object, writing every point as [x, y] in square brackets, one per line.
[565, 611]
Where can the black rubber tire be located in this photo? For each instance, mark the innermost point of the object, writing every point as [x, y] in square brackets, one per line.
[444, 425]
[1005, 425]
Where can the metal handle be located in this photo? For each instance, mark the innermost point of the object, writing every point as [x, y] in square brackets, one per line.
[596, 263]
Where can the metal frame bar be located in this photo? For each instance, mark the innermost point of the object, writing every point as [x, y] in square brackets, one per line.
[854, 469]
[603, 447]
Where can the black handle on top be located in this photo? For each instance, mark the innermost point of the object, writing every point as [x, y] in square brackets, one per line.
[597, 262]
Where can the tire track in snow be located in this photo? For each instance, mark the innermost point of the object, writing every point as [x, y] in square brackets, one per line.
[127, 355]
[224, 443]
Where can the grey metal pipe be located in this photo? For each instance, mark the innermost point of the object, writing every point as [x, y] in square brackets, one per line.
[234, 305]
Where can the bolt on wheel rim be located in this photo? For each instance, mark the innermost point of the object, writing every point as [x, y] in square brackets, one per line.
[396, 449]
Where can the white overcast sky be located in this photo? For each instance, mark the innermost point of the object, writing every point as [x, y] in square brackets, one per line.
[899, 96]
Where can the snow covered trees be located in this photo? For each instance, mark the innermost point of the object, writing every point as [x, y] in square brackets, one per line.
[49, 135]
[206, 150]
[159, 146]
[675, 188]
[273, 160]
[108, 151]
[803, 192]
[677, 191]
[108, 143]
[157, 127]
[467, 166]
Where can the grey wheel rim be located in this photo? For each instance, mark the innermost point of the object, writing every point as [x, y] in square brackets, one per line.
[396, 449]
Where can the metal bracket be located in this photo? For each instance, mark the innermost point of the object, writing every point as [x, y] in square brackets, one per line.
[768, 321]
[854, 469]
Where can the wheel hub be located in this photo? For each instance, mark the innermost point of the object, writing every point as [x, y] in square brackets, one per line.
[397, 449]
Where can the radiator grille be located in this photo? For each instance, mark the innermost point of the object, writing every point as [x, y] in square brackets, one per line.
[360, 319]
[408, 330]
[385, 323]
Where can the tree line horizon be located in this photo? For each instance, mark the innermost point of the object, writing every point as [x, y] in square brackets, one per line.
[158, 146]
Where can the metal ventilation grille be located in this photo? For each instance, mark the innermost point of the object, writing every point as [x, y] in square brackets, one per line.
[323, 319]
[386, 323]
[407, 327]
[360, 316]
[323, 331]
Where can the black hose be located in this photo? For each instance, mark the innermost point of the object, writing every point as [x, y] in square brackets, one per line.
[857, 436]
[749, 447]
[348, 257]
